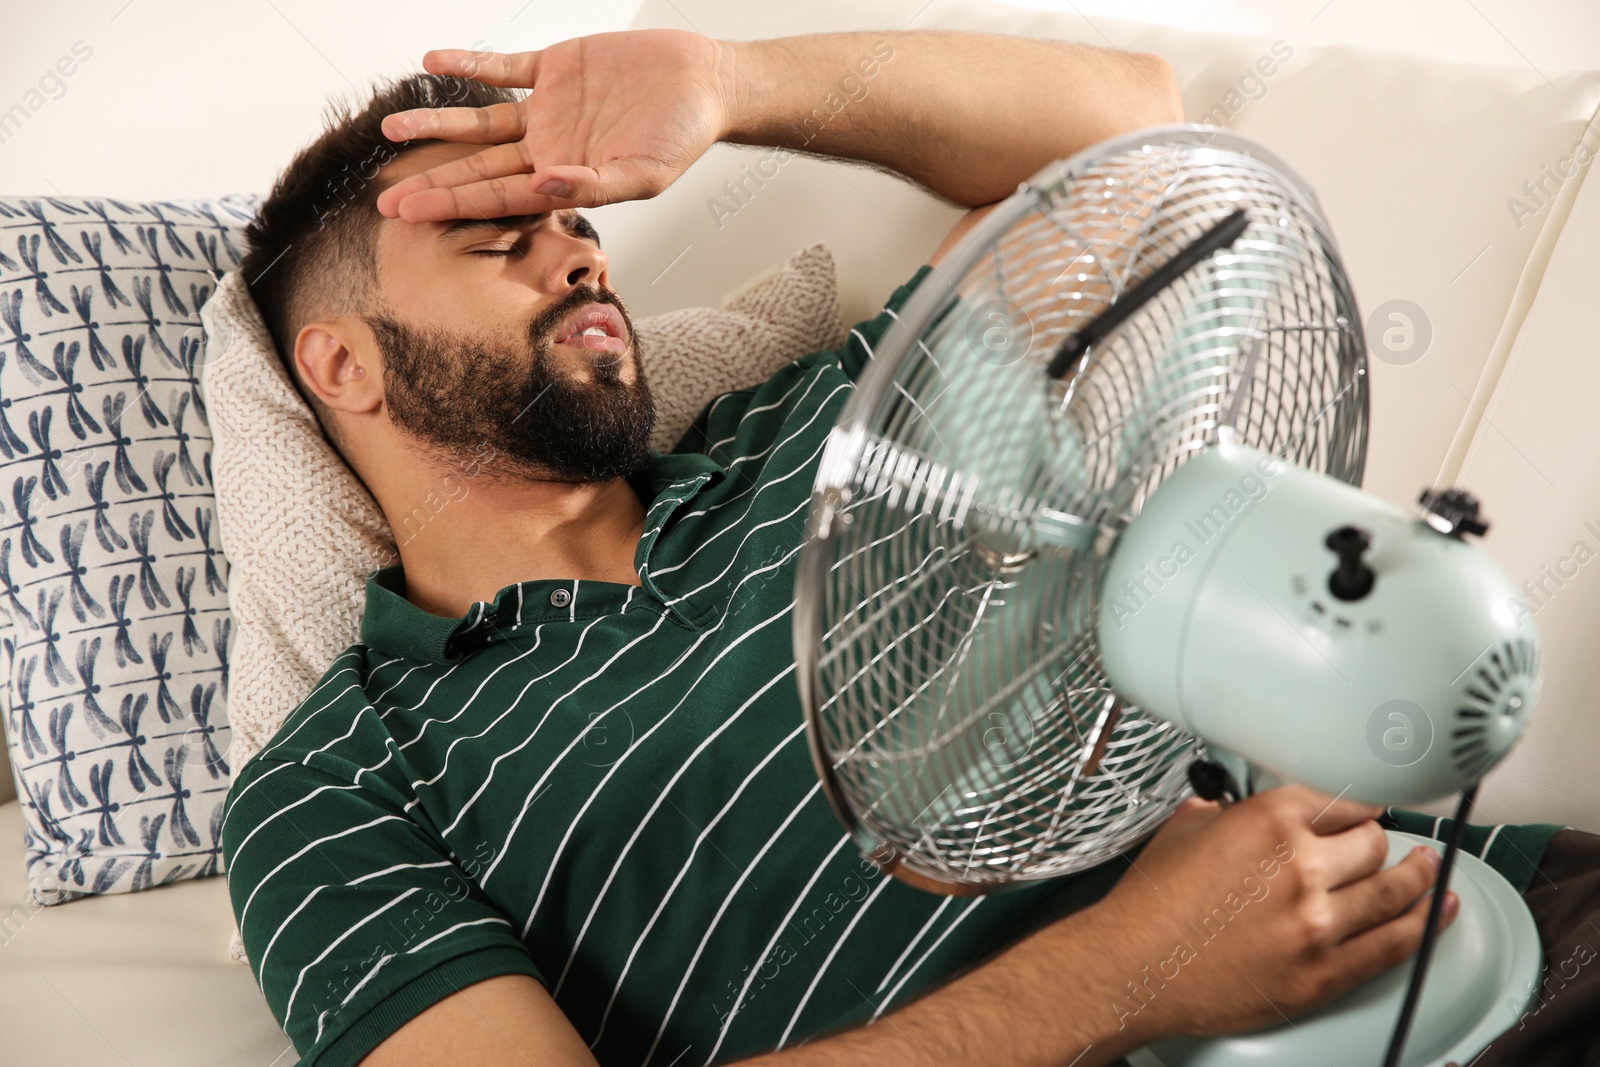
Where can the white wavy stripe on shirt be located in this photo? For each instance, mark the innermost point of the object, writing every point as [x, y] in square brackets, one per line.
[288, 1010]
[655, 806]
[740, 495]
[279, 741]
[538, 639]
[371, 678]
[748, 456]
[355, 720]
[261, 967]
[834, 951]
[243, 912]
[805, 465]
[500, 919]
[399, 867]
[280, 811]
[716, 919]
[854, 332]
[683, 869]
[234, 799]
[661, 722]
[717, 403]
[912, 944]
[738, 1000]
[753, 411]
[423, 699]
[576, 740]
[889, 996]
[733, 558]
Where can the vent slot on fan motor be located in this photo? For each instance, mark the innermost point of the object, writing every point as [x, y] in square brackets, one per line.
[1495, 700]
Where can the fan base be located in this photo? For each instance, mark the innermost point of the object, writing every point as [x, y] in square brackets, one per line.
[1485, 971]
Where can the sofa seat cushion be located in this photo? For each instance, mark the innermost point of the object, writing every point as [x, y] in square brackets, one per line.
[141, 978]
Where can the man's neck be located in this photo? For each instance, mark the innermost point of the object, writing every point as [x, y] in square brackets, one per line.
[466, 541]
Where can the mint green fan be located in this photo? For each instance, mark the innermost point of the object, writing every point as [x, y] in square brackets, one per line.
[1088, 536]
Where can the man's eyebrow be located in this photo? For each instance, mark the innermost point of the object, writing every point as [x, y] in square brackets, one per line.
[574, 223]
[506, 222]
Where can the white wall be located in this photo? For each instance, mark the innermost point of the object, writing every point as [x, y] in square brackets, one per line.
[193, 98]
[184, 98]
[1546, 35]
[196, 98]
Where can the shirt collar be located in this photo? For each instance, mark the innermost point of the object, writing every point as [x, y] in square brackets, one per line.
[394, 624]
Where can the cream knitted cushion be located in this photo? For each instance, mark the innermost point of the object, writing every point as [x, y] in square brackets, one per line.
[302, 533]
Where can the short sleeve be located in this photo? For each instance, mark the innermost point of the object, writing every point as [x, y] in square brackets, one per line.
[355, 917]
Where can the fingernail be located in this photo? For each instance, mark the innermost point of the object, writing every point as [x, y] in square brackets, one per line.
[1433, 857]
[554, 187]
[1452, 904]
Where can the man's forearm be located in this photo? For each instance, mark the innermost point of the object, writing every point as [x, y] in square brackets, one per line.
[1047, 1001]
[967, 115]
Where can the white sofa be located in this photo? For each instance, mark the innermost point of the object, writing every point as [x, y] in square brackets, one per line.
[1414, 159]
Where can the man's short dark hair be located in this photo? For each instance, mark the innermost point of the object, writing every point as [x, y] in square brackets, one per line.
[312, 243]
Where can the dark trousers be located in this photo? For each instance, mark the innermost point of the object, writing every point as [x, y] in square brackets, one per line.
[1561, 1028]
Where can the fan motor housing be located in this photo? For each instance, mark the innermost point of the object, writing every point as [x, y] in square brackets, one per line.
[1222, 611]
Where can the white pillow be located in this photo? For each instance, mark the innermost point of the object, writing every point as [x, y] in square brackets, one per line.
[302, 533]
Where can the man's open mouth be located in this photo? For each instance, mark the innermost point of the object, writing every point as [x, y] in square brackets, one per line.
[596, 327]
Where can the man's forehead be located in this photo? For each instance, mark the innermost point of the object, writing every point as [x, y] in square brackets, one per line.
[415, 161]
[422, 157]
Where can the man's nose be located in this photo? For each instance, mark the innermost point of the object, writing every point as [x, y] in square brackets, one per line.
[580, 262]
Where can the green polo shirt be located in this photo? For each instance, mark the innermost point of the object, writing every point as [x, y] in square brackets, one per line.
[606, 787]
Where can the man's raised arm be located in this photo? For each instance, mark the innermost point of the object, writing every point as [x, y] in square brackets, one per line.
[619, 116]
[967, 115]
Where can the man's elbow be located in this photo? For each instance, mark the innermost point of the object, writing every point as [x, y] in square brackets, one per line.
[1161, 102]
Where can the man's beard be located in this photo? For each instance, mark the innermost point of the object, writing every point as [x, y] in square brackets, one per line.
[468, 397]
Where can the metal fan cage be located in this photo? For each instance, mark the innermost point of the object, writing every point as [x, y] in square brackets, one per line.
[947, 599]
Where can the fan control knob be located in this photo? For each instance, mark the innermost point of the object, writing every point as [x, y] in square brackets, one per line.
[1352, 579]
[1452, 512]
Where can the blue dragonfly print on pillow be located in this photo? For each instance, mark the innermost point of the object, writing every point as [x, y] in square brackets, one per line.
[114, 623]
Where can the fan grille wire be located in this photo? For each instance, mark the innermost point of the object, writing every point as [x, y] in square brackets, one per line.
[961, 705]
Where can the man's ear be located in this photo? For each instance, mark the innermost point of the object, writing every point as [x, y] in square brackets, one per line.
[338, 367]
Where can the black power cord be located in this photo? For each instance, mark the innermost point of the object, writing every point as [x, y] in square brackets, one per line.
[1220, 236]
[1430, 934]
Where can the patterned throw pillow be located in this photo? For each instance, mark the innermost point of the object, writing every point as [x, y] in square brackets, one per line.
[114, 621]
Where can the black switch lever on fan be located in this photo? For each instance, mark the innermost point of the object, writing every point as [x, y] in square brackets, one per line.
[1353, 579]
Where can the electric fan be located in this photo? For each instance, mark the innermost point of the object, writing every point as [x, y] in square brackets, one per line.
[1087, 537]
